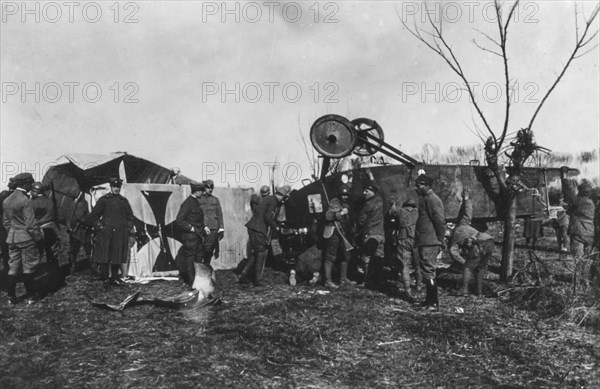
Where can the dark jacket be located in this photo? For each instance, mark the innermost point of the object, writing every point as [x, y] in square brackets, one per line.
[18, 218]
[431, 224]
[213, 214]
[264, 216]
[44, 212]
[112, 242]
[370, 217]
[190, 215]
[77, 223]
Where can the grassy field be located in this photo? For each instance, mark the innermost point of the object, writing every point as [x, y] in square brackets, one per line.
[520, 335]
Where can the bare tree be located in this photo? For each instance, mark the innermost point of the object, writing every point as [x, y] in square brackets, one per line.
[497, 141]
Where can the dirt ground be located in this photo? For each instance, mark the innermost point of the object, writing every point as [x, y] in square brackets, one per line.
[518, 335]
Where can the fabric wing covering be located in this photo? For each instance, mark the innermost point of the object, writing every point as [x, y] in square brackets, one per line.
[155, 194]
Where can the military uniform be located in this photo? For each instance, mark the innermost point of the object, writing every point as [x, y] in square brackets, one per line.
[369, 224]
[22, 234]
[111, 244]
[45, 216]
[474, 259]
[429, 235]
[259, 228]
[190, 221]
[337, 229]
[581, 210]
[405, 243]
[80, 234]
[213, 219]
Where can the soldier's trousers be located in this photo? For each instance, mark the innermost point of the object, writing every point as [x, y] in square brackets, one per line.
[191, 251]
[427, 259]
[50, 246]
[24, 257]
[211, 246]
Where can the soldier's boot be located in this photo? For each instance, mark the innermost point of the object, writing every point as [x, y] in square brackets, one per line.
[466, 280]
[418, 280]
[479, 274]
[431, 299]
[327, 266]
[344, 274]
[245, 273]
[261, 258]
[30, 290]
[11, 288]
[406, 278]
[366, 264]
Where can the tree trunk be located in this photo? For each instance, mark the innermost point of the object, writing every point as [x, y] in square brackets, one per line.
[508, 242]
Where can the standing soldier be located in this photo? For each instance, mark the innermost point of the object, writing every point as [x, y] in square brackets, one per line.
[45, 217]
[22, 234]
[429, 236]
[213, 221]
[190, 221]
[112, 242]
[3, 246]
[581, 211]
[79, 233]
[369, 225]
[337, 228]
[260, 227]
[405, 246]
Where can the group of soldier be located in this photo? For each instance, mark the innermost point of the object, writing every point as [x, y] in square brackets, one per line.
[415, 233]
[30, 233]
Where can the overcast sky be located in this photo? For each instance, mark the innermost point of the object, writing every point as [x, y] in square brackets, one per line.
[229, 86]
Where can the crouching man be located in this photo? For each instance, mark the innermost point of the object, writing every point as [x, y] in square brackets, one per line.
[473, 249]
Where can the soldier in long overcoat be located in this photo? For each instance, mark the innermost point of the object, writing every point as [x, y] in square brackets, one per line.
[111, 244]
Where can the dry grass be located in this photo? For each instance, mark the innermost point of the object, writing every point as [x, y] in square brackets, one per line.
[280, 337]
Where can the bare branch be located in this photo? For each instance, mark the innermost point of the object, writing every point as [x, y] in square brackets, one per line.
[485, 49]
[578, 46]
[487, 36]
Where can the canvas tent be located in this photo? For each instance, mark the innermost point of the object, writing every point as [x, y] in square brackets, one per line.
[155, 194]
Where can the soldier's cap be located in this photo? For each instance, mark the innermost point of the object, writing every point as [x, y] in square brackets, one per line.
[38, 187]
[284, 190]
[344, 191]
[197, 186]
[424, 180]
[23, 179]
[209, 184]
[265, 190]
[115, 182]
[409, 203]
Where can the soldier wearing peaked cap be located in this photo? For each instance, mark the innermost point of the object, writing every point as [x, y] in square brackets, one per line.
[22, 233]
[213, 221]
[429, 236]
[190, 220]
[111, 244]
